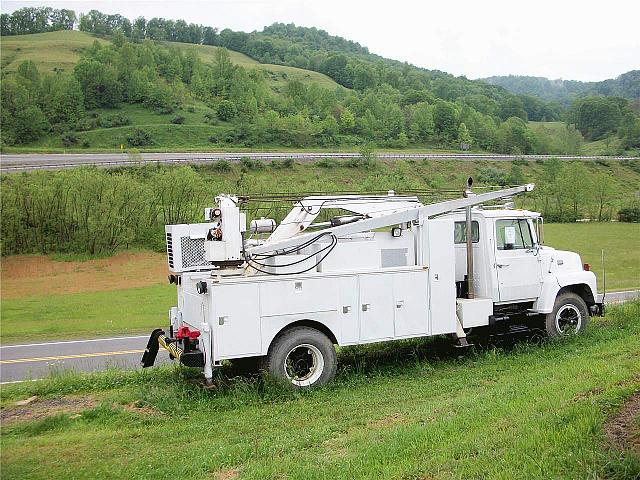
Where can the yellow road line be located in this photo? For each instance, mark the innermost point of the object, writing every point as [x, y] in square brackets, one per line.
[67, 357]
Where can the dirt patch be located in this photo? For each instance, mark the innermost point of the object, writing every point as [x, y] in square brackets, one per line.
[227, 474]
[38, 275]
[44, 408]
[142, 409]
[623, 430]
[387, 421]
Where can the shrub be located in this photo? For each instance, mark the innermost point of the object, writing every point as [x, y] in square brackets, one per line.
[117, 120]
[213, 139]
[221, 166]
[69, 139]
[86, 143]
[281, 164]
[177, 120]
[226, 110]
[629, 214]
[139, 138]
[520, 162]
[327, 163]
[251, 164]
[492, 176]
[191, 109]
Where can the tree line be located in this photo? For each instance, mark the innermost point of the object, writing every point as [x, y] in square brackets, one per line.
[95, 211]
[37, 20]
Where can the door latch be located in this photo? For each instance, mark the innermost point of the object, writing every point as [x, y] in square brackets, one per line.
[366, 306]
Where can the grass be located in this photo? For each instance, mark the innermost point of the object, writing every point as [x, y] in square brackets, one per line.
[619, 240]
[53, 50]
[86, 315]
[406, 410]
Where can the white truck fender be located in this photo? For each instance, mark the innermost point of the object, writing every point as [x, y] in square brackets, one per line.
[583, 281]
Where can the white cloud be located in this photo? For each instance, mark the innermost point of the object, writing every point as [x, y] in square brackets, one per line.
[581, 40]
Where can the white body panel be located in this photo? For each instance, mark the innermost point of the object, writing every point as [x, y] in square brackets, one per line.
[474, 312]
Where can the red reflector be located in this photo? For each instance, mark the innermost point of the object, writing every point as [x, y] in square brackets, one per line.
[586, 267]
[186, 332]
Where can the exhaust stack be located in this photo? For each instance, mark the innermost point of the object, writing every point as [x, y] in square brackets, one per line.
[469, 237]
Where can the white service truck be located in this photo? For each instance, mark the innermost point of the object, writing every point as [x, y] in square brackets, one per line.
[388, 268]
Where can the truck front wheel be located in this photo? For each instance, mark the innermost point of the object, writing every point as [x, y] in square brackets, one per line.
[569, 316]
[303, 357]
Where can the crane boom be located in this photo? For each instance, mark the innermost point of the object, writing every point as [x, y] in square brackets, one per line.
[397, 217]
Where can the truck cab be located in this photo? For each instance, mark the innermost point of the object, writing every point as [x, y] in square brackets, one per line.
[512, 266]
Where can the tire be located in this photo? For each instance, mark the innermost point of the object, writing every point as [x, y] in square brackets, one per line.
[568, 317]
[302, 357]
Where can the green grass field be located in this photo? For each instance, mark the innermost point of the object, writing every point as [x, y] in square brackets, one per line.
[87, 314]
[620, 242]
[407, 410]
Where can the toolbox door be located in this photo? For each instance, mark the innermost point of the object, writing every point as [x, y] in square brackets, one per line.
[376, 307]
[236, 321]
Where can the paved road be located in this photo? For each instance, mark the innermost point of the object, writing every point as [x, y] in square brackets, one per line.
[37, 161]
[37, 360]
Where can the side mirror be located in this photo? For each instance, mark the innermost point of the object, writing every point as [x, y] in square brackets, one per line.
[509, 238]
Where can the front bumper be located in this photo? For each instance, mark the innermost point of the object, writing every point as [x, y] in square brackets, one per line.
[597, 310]
[186, 353]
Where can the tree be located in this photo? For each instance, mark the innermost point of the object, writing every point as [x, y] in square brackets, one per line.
[421, 125]
[445, 117]
[99, 83]
[595, 117]
[347, 121]
[68, 102]
[464, 137]
[22, 121]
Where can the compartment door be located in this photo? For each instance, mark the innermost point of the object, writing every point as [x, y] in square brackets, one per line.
[376, 307]
[410, 305]
[236, 320]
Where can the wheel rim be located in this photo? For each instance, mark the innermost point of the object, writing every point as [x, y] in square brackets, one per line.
[568, 320]
[304, 365]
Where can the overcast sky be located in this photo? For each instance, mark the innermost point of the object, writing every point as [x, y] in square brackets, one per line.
[579, 40]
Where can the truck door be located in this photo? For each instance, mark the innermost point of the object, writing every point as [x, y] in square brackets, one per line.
[517, 261]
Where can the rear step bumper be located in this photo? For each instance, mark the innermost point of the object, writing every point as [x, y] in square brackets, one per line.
[192, 357]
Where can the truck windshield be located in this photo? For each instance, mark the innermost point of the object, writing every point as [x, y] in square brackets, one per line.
[523, 237]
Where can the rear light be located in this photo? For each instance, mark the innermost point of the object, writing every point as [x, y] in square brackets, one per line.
[186, 332]
[586, 267]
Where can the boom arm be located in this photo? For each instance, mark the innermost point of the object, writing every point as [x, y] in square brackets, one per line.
[394, 218]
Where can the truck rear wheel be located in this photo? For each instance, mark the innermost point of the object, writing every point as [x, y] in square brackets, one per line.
[303, 357]
[568, 317]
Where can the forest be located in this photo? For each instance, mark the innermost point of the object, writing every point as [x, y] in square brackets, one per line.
[381, 102]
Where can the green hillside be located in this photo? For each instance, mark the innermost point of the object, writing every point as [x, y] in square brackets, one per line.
[168, 85]
[49, 51]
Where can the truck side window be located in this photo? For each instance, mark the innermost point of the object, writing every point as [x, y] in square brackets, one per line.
[523, 234]
[460, 232]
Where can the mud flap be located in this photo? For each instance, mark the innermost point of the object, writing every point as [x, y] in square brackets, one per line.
[151, 352]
